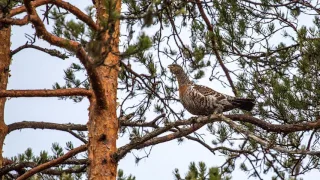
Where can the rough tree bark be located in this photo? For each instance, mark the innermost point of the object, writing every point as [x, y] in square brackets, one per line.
[103, 123]
[4, 74]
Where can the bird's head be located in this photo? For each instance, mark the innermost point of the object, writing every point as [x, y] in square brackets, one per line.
[175, 69]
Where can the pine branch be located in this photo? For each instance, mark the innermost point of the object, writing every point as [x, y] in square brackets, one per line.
[151, 139]
[72, 46]
[19, 167]
[52, 163]
[46, 93]
[45, 125]
[279, 128]
[76, 127]
[265, 143]
[198, 122]
[213, 149]
[52, 52]
[15, 21]
[213, 42]
[68, 171]
[62, 4]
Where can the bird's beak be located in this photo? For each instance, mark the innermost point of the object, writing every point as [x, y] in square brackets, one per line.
[170, 66]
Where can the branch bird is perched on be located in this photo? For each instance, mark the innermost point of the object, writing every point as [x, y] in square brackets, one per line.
[201, 100]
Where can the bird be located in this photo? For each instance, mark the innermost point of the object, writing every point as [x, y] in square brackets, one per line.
[202, 100]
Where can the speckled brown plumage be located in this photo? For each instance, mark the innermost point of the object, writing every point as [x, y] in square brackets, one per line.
[202, 100]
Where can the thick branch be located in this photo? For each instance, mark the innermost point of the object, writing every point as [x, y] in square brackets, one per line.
[46, 125]
[52, 52]
[65, 5]
[14, 21]
[53, 162]
[46, 93]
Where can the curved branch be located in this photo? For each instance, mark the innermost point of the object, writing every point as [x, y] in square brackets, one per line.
[52, 52]
[45, 125]
[19, 167]
[70, 45]
[14, 21]
[65, 5]
[46, 93]
[53, 162]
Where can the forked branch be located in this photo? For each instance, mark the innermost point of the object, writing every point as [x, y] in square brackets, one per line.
[62, 4]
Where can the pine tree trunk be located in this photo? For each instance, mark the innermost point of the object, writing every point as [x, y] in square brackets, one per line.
[4, 74]
[103, 122]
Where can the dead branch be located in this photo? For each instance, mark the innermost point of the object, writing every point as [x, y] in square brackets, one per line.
[52, 52]
[46, 93]
[45, 125]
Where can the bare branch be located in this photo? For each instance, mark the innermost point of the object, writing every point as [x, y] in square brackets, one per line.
[213, 149]
[77, 136]
[52, 52]
[45, 125]
[46, 93]
[53, 162]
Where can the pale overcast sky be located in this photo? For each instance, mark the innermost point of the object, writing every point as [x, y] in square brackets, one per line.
[32, 69]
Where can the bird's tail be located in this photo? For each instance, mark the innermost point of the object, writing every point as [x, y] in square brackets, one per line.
[244, 103]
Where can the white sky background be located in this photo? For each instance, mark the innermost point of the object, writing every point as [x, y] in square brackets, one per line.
[32, 69]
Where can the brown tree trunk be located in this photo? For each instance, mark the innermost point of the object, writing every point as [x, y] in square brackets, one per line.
[103, 122]
[4, 74]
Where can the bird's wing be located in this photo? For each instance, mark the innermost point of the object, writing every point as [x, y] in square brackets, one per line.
[206, 91]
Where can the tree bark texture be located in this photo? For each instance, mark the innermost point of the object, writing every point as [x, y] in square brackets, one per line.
[4, 74]
[103, 123]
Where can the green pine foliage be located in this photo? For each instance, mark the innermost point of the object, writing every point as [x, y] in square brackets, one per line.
[72, 169]
[201, 172]
[121, 176]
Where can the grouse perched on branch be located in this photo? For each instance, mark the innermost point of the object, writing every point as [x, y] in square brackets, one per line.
[201, 100]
